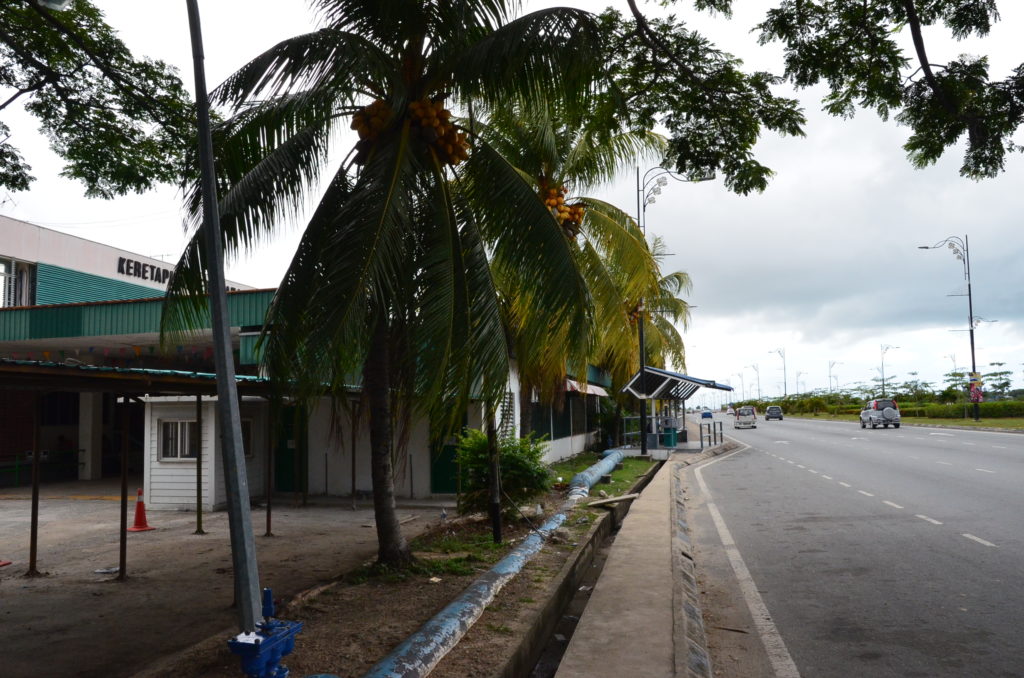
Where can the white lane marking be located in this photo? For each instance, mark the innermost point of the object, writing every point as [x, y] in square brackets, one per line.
[826, 477]
[866, 494]
[790, 461]
[778, 655]
[984, 470]
[913, 457]
[948, 435]
[930, 520]
[782, 442]
[999, 447]
[844, 484]
[889, 503]
[944, 463]
[800, 466]
[979, 540]
[811, 470]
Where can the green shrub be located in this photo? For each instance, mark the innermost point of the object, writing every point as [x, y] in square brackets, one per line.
[524, 477]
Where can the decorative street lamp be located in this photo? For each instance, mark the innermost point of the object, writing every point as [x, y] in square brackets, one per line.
[782, 354]
[885, 347]
[758, 373]
[647, 189]
[961, 251]
[831, 364]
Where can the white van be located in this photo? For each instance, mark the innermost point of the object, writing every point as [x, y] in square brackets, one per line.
[746, 417]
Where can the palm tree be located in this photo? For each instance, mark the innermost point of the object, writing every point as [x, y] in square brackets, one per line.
[392, 281]
[664, 310]
[565, 156]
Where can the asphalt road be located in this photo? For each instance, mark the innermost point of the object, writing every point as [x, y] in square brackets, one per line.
[878, 552]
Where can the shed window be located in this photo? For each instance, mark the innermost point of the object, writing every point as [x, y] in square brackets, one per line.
[177, 439]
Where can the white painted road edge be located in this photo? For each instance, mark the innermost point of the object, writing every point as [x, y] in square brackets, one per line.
[782, 663]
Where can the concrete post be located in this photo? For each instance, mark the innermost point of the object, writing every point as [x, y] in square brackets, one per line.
[90, 436]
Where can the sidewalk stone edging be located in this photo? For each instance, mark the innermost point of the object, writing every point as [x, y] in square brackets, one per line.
[691, 654]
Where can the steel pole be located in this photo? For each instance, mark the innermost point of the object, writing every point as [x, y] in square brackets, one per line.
[970, 319]
[243, 548]
[640, 330]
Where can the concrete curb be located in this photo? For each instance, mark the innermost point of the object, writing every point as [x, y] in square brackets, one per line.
[691, 655]
[692, 658]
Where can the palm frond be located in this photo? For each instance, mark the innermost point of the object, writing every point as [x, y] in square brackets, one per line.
[341, 62]
[551, 54]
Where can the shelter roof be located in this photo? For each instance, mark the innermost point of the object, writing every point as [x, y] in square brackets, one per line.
[660, 384]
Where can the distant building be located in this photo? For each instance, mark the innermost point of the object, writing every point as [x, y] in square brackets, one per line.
[80, 349]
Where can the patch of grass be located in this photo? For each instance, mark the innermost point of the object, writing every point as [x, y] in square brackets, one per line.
[500, 628]
[477, 546]
[622, 479]
[1009, 423]
[527, 600]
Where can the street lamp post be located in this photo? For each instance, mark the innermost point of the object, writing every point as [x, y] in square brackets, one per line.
[798, 373]
[885, 347]
[648, 187]
[758, 373]
[831, 364]
[960, 249]
[782, 354]
[743, 386]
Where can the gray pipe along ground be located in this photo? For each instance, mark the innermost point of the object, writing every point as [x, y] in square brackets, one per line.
[418, 654]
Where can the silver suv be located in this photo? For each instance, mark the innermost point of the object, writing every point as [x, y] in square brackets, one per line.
[882, 411]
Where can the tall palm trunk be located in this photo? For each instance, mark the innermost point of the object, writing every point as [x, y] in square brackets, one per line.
[392, 549]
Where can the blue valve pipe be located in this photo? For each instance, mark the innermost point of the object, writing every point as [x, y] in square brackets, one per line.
[261, 651]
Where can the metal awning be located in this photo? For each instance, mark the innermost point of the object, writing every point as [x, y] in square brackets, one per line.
[35, 375]
[665, 385]
[585, 388]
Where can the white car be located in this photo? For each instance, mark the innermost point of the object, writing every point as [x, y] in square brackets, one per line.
[746, 417]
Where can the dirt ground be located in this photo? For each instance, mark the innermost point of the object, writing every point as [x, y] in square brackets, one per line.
[173, 614]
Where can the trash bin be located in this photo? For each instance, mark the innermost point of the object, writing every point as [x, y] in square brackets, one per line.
[668, 437]
[652, 441]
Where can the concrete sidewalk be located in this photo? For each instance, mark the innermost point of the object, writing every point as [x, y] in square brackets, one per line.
[643, 618]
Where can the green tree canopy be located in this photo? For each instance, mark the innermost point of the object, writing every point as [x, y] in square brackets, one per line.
[120, 123]
[665, 74]
[854, 47]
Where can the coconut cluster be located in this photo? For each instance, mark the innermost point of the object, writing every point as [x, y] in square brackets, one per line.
[569, 217]
[370, 120]
[435, 127]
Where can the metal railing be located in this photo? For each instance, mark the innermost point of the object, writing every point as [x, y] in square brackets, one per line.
[712, 433]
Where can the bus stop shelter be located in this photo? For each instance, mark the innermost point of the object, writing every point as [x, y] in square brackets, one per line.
[665, 427]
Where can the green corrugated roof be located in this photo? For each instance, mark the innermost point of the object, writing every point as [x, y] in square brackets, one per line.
[95, 319]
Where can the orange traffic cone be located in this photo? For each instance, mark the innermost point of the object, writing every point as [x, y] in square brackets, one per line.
[140, 516]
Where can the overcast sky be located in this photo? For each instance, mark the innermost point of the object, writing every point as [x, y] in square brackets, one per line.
[823, 265]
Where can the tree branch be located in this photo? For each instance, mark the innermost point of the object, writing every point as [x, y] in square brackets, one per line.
[142, 98]
[658, 46]
[914, 21]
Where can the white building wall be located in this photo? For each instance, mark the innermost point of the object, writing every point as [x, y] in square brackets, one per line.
[256, 411]
[563, 448]
[35, 244]
[330, 458]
